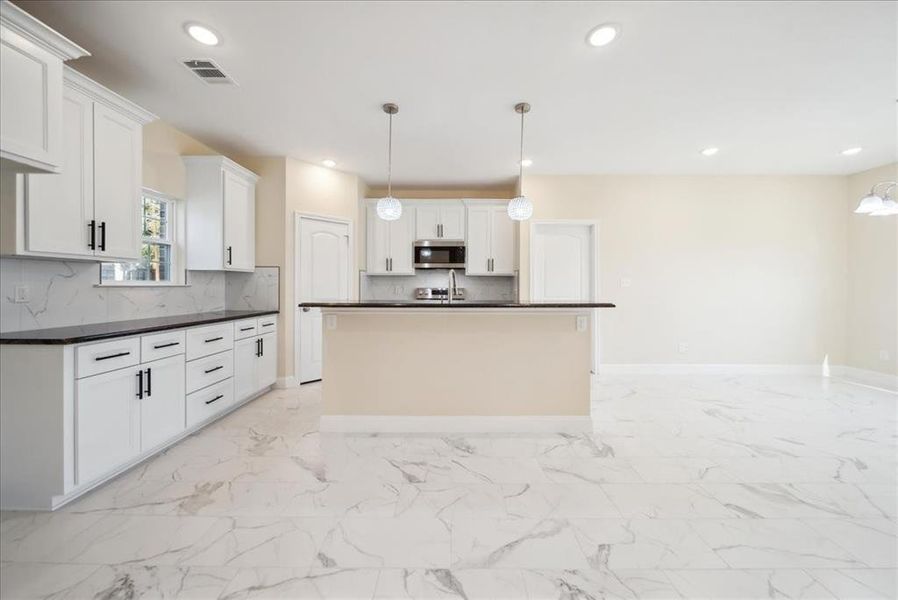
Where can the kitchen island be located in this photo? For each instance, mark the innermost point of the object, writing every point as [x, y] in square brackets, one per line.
[472, 367]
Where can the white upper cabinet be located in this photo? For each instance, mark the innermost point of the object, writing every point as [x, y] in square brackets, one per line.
[440, 220]
[390, 243]
[221, 209]
[490, 248]
[31, 105]
[90, 210]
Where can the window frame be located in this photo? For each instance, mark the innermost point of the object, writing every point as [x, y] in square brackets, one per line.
[176, 235]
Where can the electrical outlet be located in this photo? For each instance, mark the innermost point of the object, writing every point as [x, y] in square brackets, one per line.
[330, 321]
[581, 323]
[883, 355]
[625, 282]
[23, 294]
[398, 290]
[682, 347]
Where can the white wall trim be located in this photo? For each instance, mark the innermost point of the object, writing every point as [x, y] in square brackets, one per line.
[690, 369]
[452, 424]
[874, 379]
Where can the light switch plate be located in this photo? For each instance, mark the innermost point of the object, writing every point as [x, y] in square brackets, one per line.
[581, 323]
[682, 347]
[625, 282]
[23, 294]
[330, 321]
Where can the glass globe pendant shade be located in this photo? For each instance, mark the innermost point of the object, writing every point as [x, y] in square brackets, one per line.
[389, 208]
[868, 204]
[889, 207]
[520, 208]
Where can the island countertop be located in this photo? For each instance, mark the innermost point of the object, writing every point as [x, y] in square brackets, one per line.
[77, 334]
[460, 305]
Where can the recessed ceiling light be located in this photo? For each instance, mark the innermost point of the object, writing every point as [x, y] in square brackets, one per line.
[202, 34]
[710, 151]
[603, 35]
[329, 163]
[851, 151]
[526, 162]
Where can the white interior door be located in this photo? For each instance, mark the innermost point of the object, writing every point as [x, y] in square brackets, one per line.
[324, 271]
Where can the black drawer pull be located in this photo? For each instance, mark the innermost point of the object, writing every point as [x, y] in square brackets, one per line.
[246, 328]
[267, 324]
[112, 356]
[168, 345]
[215, 339]
[218, 397]
[207, 371]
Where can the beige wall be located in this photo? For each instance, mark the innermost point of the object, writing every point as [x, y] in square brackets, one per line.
[872, 279]
[163, 147]
[443, 193]
[742, 269]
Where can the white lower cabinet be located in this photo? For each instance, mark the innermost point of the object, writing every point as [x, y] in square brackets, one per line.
[107, 422]
[161, 401]
[99, 408]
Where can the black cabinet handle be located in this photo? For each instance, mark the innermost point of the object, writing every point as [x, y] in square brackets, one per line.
[218, 397]
[92, 244]
[214, 369]
[246, 328]
[214, 339]
[267, 324]
[229, 254]
[168, 345]
[258, 348]
[261, 346]
[103, 236]
[112, 356]
[140, 385]
[149, 382]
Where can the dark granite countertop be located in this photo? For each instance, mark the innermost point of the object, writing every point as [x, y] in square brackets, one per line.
[77, 334]
[461, 304]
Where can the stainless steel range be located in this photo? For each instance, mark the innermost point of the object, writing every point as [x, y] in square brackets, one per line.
[436, 294]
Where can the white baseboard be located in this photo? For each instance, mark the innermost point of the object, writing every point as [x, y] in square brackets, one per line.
[446, 424]
[882, 381]
[284, 383]
[708, 369]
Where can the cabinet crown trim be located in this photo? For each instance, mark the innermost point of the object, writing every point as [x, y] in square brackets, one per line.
[107, 97]
[225, 163]
[14, 18]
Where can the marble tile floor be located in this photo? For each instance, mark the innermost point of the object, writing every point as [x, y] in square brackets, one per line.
[693, 487]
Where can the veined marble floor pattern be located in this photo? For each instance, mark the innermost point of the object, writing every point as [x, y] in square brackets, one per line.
[689, 487]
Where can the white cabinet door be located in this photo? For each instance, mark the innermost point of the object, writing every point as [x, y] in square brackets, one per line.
[59, 207]
[118, 163]
[452, 221]
[162, 409]
[239, 223]
[378, 242]
[30, 104]
[502, 242]
[107, 422]
[427, 222]
[477, 259]
[246, 368]
[402, 239]
[268, 362]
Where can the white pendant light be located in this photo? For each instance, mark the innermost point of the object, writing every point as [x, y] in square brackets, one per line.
[389, 208]
[877, 205]
[520, 208]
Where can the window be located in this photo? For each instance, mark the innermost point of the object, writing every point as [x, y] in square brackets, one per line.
[159, 263]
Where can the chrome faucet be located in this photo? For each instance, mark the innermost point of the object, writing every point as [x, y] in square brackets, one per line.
[453, 286]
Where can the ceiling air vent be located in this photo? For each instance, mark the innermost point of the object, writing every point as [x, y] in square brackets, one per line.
[208, 71]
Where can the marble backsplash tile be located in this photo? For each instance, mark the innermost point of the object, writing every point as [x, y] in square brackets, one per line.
[253, 291]
[373, 287]
[66, 293]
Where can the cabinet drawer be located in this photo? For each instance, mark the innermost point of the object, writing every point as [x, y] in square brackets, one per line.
[245, 328]
[206, 403]
[267, 324]
[161, 345]
[204, 341]
[209, 370]
[92, 359]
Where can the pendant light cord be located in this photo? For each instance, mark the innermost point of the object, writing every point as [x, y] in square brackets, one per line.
[390, 160]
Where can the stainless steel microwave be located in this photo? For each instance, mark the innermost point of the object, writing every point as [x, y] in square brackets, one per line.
[439, 254]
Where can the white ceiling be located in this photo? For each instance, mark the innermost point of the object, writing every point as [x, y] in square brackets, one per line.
[780, 87]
